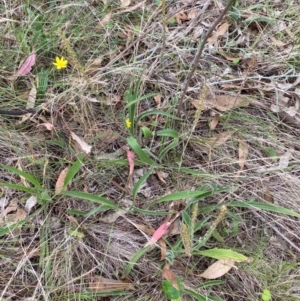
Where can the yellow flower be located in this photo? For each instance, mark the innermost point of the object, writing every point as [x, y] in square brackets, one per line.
[128, 123]
[60, 63]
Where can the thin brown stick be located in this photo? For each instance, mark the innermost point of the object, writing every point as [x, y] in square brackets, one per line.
[199, 53]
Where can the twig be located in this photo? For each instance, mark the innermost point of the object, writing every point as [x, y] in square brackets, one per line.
[198, 55]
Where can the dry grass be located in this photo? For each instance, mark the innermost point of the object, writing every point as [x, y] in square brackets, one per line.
[58, 250]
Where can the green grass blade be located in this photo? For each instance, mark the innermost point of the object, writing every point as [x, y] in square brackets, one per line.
[187, 194]
[91, 197]
[19, 187]
[73, 170]
[210, 283]
[150, 212]
[140, 182]
[172, 145]
[223, 254]
[134, 260]
[23, 174]
[264, 206]
[132, 102]
[156, 112]
[168, 133]
[139, 152]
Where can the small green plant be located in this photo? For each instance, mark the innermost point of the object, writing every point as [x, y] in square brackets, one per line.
[266, 295]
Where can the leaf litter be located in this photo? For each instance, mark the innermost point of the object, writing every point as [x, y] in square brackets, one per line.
[232, 94]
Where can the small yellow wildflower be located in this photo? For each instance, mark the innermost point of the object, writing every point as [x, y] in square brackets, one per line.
[128, 123]
[60, 63]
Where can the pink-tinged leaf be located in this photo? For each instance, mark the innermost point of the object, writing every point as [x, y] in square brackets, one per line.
[130, 158]
[49, 126]
[27, 65]
[159, 233]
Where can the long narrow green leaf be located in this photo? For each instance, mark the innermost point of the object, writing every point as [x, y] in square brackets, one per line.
[156, 112]
[91, 197]
[134, 260]
[73, 170]
[140, 182]
[132, 102]
[172, 145]
[23, 174]
[223, 254]
[150, 212]
[11, 228]
[19, 187]
[264, 206]
[210, 283]
[180, 195]
[139, 152]
[168, 133]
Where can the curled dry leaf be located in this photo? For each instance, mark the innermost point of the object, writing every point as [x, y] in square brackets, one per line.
[61, 181]
[218, 269]
[168, 274]
[213, 124]
[30, 203]
[161, 175]
[84, 146]
[220, 32]
[101, 284]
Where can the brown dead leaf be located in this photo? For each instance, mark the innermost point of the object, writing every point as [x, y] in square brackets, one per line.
[94, 65]
[12, 214]
[101, 284]
[218, 269]
[157, 99]
[218, 139]
[113, 99]
[192, 14]
[277, 43]
[30, 103]
[179, 17]
[107, 136]
[161, 175]
[220, 32]
[61, 181]
[105, 20]
[168, 274]
[243, 153]
[23, 180]
[125, 3]
[72, 219]
[132, 8]
[224, 102]
[213, 124]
